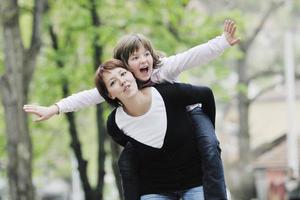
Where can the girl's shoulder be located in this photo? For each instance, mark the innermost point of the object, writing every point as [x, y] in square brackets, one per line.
[174, 88]
[172, 85]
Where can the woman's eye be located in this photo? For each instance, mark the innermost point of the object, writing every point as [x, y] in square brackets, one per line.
[123, 73]
[112, 83]
[147, 53]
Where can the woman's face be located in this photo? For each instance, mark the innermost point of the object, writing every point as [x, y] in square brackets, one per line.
[141, 64]
[120, 83]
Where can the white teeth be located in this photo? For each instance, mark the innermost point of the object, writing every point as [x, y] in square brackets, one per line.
[144, 67]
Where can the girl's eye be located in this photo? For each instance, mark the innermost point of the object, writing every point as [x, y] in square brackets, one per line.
[134, 58]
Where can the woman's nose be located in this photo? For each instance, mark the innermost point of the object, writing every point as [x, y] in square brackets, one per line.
[122, 81]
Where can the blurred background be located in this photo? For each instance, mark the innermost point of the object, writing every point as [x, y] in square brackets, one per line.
[51, 48]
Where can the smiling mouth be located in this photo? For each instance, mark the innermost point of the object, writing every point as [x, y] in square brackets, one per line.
[144, 70]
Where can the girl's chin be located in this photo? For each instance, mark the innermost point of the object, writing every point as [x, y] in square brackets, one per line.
[144, 76]
[143, 82]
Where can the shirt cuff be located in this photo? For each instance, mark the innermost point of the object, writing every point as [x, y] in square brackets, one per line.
[59, 107]
[223, 42]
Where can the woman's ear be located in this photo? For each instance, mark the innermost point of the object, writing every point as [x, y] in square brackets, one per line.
[109, 95]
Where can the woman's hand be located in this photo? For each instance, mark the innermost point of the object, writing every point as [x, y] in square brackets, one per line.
[229, 32]
[42, 112]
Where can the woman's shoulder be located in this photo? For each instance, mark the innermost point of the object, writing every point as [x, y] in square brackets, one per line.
[111, 119]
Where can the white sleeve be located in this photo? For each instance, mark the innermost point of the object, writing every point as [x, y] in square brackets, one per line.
[80, 100]
[199, 55]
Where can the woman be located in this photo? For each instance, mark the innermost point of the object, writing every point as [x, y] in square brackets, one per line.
[167, 156]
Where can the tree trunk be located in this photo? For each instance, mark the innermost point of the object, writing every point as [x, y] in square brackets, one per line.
[19, 146]
[76, 146]
[243, 109]
[243, 177]
[19, 66]
[75, 142]
[101, 128]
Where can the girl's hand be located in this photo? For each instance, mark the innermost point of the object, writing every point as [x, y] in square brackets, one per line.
[229, 32]
[42, 112]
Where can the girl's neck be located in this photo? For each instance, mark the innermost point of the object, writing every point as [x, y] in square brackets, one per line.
[144, 84]
[139, 104]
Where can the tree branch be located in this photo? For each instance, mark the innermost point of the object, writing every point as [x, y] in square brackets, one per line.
[75, 142]
[96, 21]
[263, 74]
[98, 51]
[9, 12]
[76, 146]
[35, 43]
[266, 89]
[297, 77]
[36, 25]
[248, 42]
[3, 86]
[55, 46]
[173, 29]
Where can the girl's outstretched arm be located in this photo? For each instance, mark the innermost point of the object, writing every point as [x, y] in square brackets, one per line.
[199, 55]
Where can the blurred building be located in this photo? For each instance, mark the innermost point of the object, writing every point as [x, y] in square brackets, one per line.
[271, 172]
[268, 121]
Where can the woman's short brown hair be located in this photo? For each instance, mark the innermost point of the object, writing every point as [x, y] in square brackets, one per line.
[108, 65]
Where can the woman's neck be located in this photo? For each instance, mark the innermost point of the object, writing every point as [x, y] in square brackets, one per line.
[139, 104]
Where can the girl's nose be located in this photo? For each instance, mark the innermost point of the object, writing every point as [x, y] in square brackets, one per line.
[143, 59]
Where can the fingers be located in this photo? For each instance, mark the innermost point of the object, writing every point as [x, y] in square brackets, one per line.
[233, 31]
[229, 31]
[229, 26]
[33, 112]
[40, 119]
[40, 116]
[31, 109]
[42, 112]
[235, 41]
[226, 26]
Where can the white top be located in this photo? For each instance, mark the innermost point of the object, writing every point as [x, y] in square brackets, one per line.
[171, 67]
[141, 128]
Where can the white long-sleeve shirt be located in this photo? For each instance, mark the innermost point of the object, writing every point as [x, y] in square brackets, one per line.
[170, 69]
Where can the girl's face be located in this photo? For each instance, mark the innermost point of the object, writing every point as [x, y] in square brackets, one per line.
[141, 64]
[120, 83]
